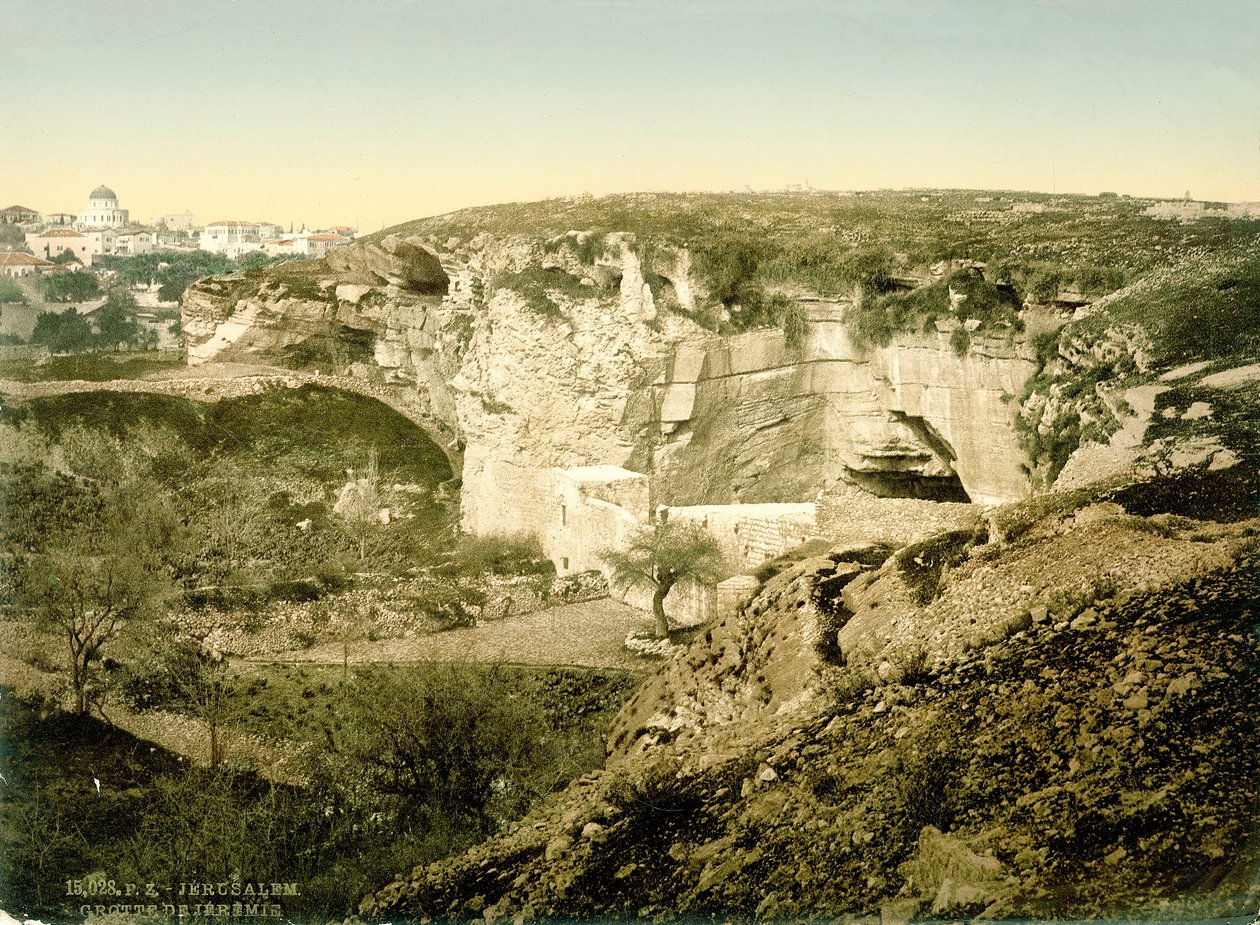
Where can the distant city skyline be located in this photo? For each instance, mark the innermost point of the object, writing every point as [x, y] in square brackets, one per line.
[372, 112]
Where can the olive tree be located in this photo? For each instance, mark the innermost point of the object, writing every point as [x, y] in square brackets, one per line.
[660, 556]
[86, 596]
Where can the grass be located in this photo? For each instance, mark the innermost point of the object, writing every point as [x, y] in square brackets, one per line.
[320, 430]
[1208, 309]
[301, 703]
[92, 367]
[807, 238]
[536, 285]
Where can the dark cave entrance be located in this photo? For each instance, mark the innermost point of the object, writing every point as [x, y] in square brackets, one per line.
[910, 485]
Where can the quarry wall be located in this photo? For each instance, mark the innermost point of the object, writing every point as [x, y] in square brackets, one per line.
[574, 423]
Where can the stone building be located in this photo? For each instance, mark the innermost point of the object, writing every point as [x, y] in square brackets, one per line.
[19, 264]
[56, 241]
[102, 210]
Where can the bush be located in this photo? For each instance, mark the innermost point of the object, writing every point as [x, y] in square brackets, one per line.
[449, 744]
[502, 554]
[960, 341]
[536, 284]
[923, 564]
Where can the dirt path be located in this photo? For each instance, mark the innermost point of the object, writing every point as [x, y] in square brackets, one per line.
[590, 634]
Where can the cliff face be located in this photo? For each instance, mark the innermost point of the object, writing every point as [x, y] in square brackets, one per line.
[533, 359]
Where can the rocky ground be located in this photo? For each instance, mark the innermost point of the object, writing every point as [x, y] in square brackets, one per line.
[1085, 746]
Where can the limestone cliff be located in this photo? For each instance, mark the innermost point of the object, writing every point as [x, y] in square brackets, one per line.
[583, 351]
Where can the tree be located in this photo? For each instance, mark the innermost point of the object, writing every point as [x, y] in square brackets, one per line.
[11, 292]
[69, 287]
[185, 268]
[114, 320]
[86, 597]
[660, 556]
[452, 745]
[85, 579]
[64, 332]
[209, 690]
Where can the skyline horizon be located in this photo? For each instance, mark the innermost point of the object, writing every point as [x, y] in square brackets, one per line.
[804, 190]
[374, 112]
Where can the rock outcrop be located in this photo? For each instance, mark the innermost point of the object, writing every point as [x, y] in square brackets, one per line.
[534, 359]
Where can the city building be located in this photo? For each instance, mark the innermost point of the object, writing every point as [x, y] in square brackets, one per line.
[232, 239]
[178, 221]
[16, 215]
[135, 242]
[102, 241]
[318, 244]
[18, 264]
[59, 219]
[103, 211]
[54, 242]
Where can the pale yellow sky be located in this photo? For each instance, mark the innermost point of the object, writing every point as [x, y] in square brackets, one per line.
[371, 112]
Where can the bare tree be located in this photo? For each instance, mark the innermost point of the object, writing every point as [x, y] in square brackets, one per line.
[362, 502]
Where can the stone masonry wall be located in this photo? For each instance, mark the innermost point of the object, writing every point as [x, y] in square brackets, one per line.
[849, 515]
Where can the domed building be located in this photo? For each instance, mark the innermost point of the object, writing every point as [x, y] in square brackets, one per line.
[102, 210]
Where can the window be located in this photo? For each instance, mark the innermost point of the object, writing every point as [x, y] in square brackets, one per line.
[564, 563]
[564, 516]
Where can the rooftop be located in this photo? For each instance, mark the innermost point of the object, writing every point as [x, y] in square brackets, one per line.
[18, 259]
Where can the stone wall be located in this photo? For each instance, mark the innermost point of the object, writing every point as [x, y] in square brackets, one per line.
[751, 534]
[576, 513]
[849, 515]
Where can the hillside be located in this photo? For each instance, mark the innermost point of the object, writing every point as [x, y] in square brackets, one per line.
[1066, 729]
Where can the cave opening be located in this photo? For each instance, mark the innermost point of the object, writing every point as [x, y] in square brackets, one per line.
[891, 484]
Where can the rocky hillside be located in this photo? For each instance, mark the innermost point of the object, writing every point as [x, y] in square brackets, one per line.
[1054, 720]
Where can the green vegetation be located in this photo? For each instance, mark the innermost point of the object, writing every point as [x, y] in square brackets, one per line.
[660, 556]
[925, 565]
[1226, 494]
[11, 292]
[965, 295]
[100, 366]
[63, 332]
[403, 764]
[242, 473]
[69, 287]
[502, 554]
[536, 284]
[749, 249]
[1206, 310]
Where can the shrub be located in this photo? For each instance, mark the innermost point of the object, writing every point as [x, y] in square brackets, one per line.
[923, 564]
[502, 554]
[795, 324]
[536, 284]
[960, 341]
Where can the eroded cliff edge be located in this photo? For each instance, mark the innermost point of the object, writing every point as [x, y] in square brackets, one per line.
[528, 358]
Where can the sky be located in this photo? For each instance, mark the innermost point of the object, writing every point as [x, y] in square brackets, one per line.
[372, 112]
